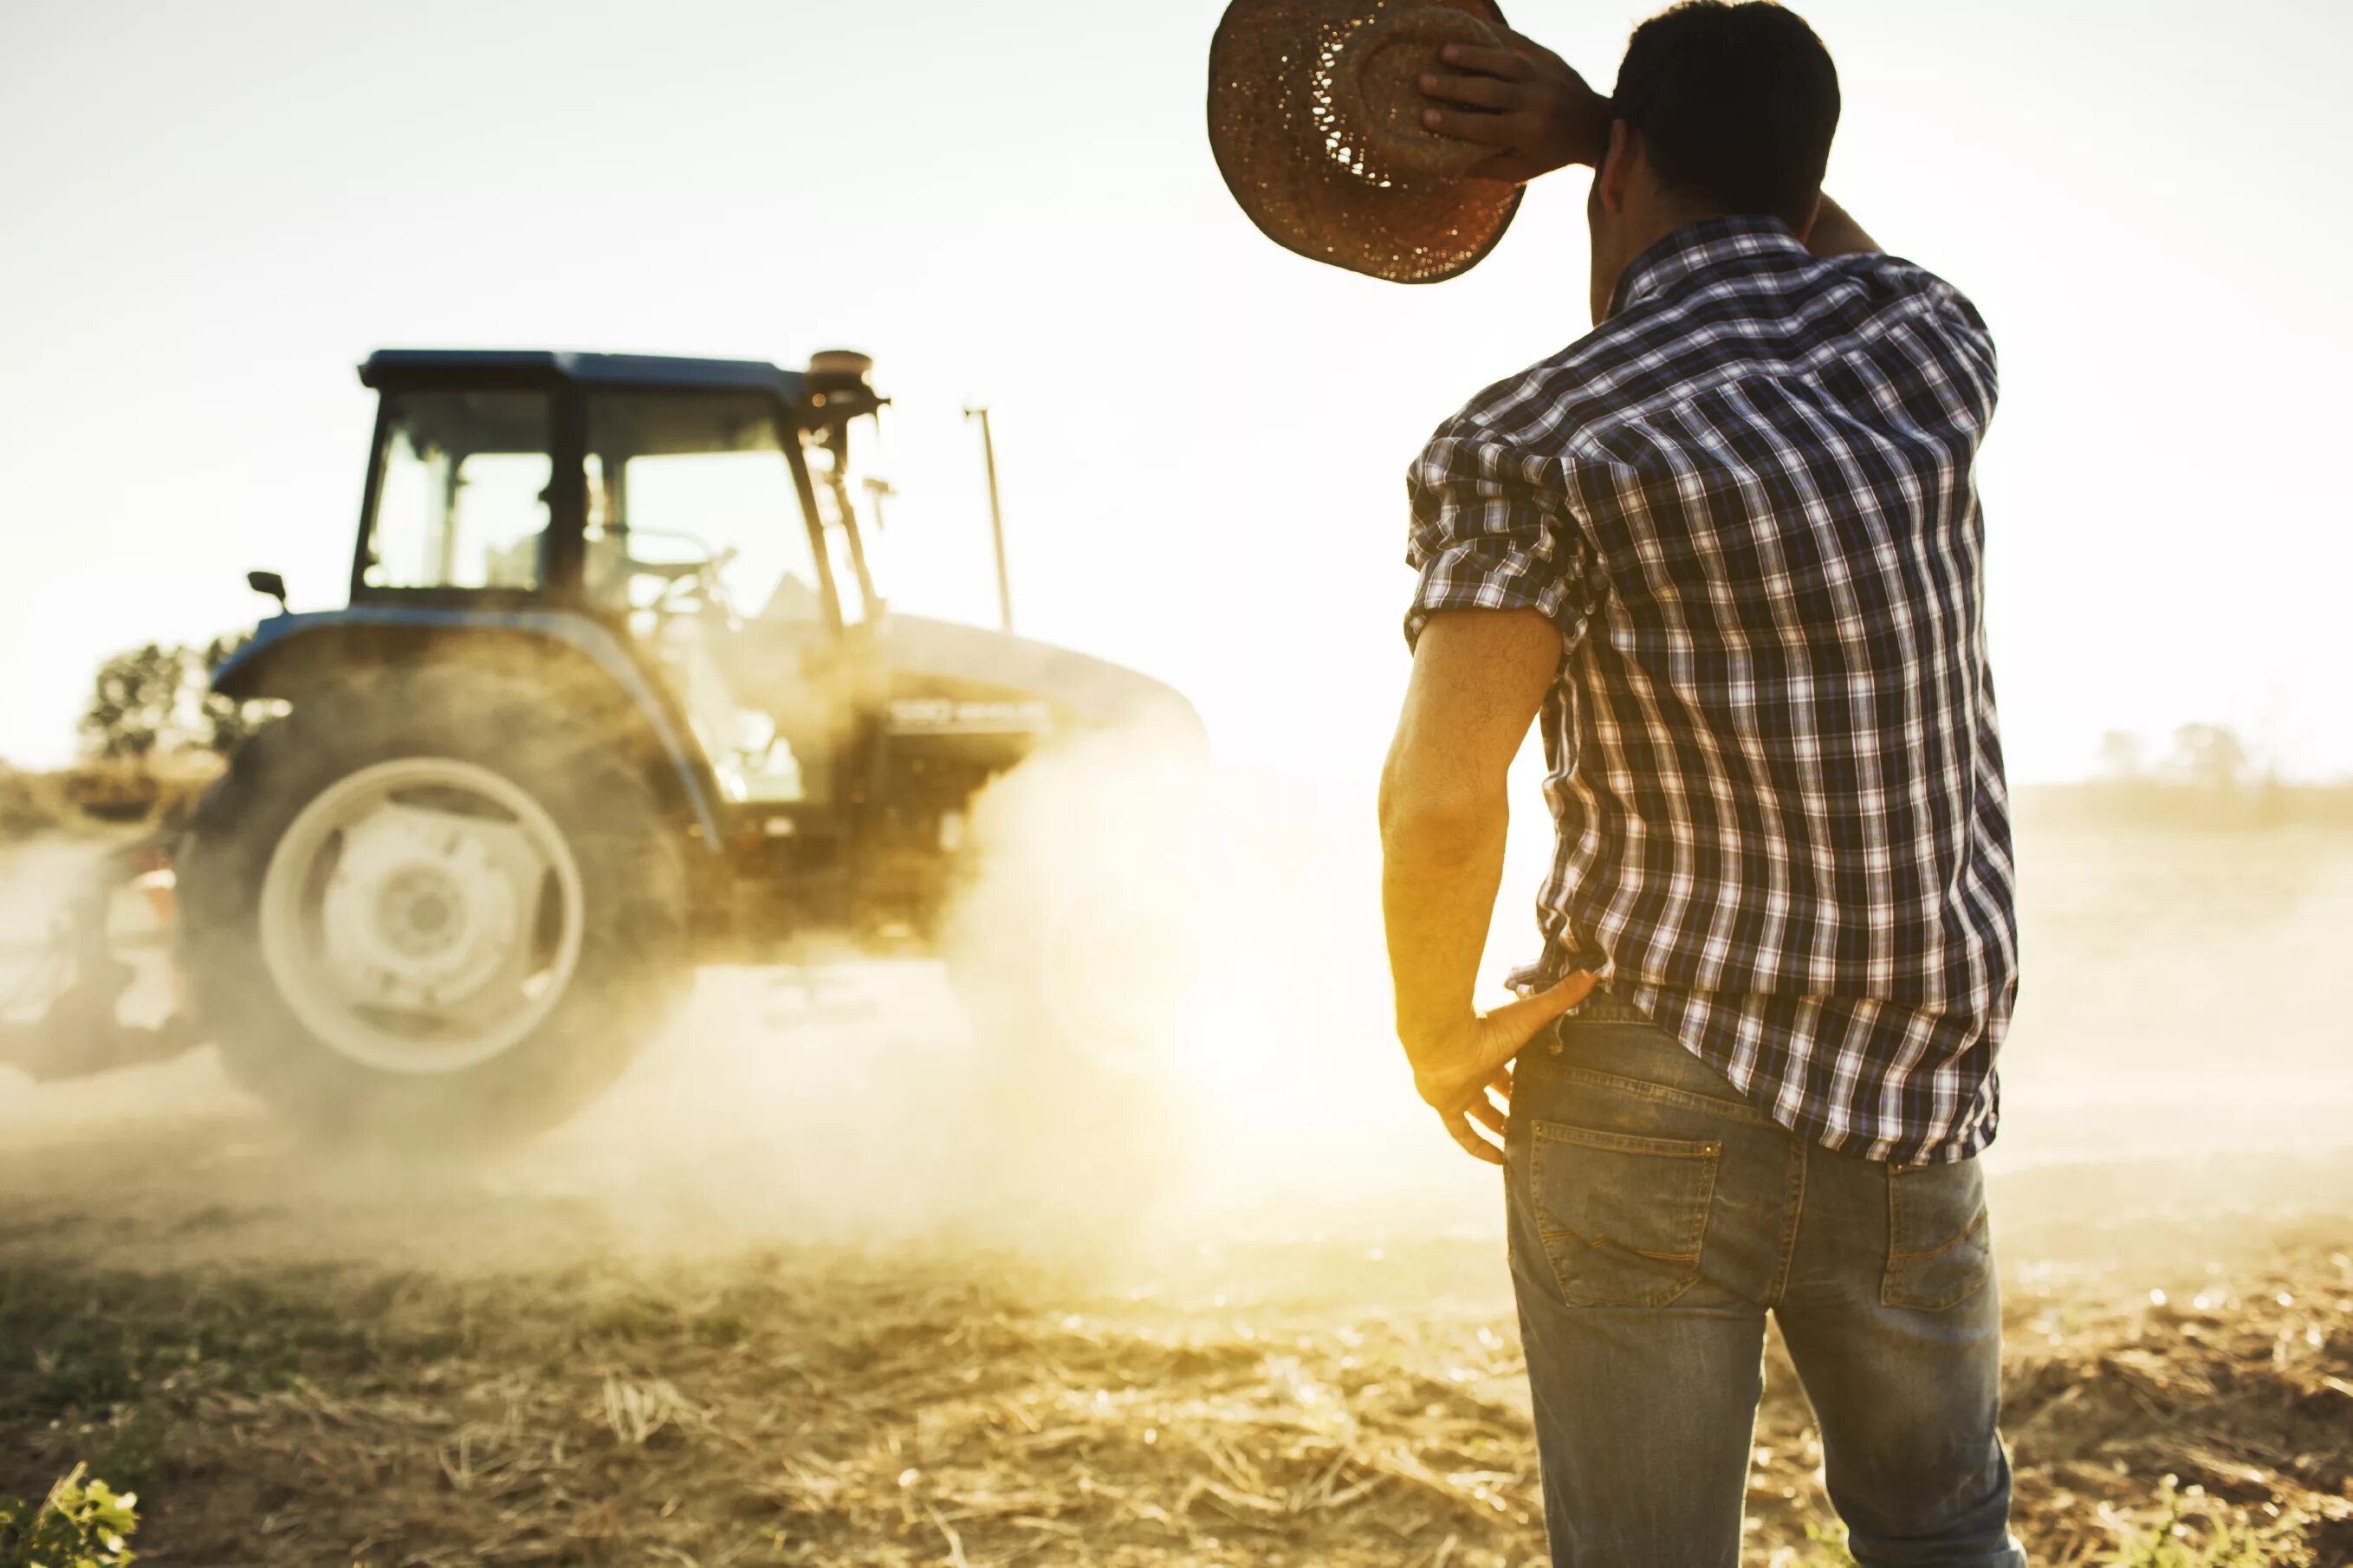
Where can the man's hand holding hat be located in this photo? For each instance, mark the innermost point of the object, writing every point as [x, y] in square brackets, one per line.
[1525, 102]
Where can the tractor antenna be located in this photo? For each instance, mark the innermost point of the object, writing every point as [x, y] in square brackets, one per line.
[996, 516]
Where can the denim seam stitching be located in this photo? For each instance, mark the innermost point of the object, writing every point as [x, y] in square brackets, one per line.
[1627, 1142]
[1779, 1287]
[1691, 1099]
[1975, 1226]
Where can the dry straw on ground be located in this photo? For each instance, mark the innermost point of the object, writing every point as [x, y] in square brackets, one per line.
[801, 1408]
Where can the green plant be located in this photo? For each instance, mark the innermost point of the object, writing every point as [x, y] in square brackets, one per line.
[2193, 1534]
[82, 1523]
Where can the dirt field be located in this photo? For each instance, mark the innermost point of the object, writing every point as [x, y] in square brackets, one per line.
[791, 1307]
[1316, 1401]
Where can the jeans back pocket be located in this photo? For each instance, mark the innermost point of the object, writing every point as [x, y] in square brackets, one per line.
[1939, 1241]
[1622, 1216]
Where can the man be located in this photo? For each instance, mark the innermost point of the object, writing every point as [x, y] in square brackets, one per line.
[1728, 546]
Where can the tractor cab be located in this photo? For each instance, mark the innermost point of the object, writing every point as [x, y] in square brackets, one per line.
[702, 509]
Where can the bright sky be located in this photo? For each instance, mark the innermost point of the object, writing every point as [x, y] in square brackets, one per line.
[214, 211]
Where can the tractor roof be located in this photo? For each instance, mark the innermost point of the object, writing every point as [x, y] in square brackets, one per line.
[598, 370]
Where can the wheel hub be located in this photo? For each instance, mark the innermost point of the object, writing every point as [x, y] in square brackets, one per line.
[419, 912]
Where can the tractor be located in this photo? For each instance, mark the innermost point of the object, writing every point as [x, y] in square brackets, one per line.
[615, 694]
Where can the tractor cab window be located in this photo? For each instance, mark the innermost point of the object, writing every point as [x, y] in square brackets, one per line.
[692, 491]
[697, 535]
[462, 497]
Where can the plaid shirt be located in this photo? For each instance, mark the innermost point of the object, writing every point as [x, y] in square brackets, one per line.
[1746, 499]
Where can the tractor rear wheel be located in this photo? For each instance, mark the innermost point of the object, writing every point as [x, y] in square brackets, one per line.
[432, 907]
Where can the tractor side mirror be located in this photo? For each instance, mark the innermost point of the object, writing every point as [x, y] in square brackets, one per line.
[268, 583]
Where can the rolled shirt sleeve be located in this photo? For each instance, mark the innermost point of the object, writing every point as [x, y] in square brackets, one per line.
[1492, 531]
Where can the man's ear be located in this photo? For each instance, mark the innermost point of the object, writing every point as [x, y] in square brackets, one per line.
[1617, 170]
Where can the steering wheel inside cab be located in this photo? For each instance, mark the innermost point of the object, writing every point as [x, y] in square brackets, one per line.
[689, 582]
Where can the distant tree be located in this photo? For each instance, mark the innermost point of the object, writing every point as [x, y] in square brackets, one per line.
[157, 698]
[139, 704]
[2123, 755]
[2210, 756]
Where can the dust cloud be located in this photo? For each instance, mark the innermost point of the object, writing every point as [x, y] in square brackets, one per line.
[1161, 1015]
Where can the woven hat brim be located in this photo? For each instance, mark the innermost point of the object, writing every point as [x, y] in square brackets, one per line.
[1269, 146]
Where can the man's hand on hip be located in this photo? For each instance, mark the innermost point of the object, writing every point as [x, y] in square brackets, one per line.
[1455, 1069]
[1525, 102]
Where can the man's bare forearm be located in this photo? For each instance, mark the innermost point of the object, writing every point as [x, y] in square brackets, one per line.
[1478, 680]
[1441, 867]
[1835, 233]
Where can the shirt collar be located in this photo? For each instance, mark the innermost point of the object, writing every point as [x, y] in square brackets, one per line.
[1710, 242]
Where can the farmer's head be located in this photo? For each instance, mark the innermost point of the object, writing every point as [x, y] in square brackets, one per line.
[1720, 110]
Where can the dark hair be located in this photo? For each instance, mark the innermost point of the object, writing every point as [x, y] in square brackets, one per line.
[1735, 103]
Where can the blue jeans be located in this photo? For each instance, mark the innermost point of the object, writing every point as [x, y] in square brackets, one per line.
[1656, 1216]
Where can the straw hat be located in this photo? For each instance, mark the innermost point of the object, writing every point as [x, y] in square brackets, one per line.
[1315, 118]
